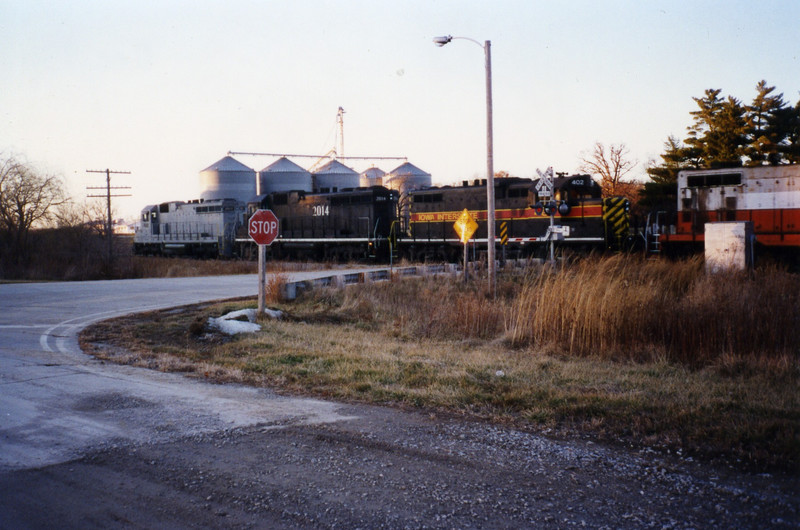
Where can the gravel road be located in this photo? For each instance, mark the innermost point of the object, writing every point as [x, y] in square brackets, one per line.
[384, 468]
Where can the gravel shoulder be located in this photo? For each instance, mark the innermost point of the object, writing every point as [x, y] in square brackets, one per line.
[386, 468]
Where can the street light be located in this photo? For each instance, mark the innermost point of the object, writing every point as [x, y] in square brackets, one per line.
[490, 216]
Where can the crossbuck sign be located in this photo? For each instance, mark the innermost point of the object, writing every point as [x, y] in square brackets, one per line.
[545, 185]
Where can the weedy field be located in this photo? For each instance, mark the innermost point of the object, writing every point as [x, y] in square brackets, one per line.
[655, 354]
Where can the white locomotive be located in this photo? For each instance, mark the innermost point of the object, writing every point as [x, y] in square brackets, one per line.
[203, 228]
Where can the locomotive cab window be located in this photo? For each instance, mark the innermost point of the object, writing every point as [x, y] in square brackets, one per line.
[719, 179]
[428, 197]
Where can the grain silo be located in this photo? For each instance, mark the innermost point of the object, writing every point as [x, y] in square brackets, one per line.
[371, 177]
[334, 176]
[283, 175]
[405, 178]
[228, 179]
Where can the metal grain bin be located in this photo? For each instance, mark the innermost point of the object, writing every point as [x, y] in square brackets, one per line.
[371, 177]
[283, 175]
[407, 177]
[404, 178]
[334, 176]
[228, 179]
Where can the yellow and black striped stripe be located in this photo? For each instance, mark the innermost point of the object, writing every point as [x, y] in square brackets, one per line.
[504, 233]
[616, 221]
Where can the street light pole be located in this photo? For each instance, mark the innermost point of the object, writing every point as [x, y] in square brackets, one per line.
[490, 212]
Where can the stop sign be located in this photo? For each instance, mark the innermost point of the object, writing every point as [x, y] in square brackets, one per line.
[263, 227]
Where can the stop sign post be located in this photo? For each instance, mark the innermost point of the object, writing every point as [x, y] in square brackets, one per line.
[263, 228]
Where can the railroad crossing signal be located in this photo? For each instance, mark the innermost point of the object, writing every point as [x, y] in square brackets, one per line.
[465, 226]
[545, 185]
[263, 227]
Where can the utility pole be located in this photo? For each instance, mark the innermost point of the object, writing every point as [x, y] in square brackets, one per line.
[108, 195]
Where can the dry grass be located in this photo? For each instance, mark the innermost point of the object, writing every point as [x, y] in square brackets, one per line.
[621, 307]
[597, 347]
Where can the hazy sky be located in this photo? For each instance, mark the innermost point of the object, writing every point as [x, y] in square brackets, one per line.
[166, 88]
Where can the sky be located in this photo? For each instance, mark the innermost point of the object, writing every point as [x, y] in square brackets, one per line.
[165, 88]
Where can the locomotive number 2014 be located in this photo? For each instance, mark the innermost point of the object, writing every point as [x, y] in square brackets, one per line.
[320, 210]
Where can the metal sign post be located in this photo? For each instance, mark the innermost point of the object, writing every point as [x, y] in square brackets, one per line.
[465, 227]
[545, 189]
[263, 227]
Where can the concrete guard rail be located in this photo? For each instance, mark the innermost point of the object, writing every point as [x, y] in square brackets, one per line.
[290, 290]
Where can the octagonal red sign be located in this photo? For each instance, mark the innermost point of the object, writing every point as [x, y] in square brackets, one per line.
[263, 227]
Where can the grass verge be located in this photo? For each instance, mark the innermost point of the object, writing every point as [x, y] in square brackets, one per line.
[439, 345]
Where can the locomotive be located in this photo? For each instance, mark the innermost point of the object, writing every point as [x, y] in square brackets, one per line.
[341, 225]
[201, 228]
[375, 223]
[585, 220]
[767, 196]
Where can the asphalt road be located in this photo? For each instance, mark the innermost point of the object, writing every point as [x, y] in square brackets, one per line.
[86, 444]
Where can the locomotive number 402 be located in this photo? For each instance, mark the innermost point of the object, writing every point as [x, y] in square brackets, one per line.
[320, 210]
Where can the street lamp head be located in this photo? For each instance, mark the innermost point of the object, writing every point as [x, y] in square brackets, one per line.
[441, 41]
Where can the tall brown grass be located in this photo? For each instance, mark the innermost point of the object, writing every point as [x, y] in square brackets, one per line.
[616, 307]
[433, 308]
[626, 307]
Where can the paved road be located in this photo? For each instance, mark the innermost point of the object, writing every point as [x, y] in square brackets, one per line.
[85, 444]
[50, 388]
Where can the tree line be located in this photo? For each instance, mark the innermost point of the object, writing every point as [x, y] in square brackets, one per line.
[44, 234]
[725, 132]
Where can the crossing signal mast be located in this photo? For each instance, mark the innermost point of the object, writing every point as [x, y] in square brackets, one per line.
[108, 195]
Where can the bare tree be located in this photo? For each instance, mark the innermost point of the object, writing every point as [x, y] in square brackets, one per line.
[611, 165]
[27, 199]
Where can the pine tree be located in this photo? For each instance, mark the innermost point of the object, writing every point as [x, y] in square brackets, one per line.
[788, 120]
[768, 124]
[717, 138]
[661, 192]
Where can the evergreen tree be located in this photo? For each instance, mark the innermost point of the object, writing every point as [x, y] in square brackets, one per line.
[661, 192]
[789, 120]
[725, 133]
[767, 126]
[718, 136]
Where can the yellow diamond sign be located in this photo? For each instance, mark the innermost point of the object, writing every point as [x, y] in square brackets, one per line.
[465, 226]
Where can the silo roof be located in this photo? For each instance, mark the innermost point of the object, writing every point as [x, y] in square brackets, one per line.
[334, 167]
[373, 172]
[283, 165]
[408, 169]
[228, 164]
